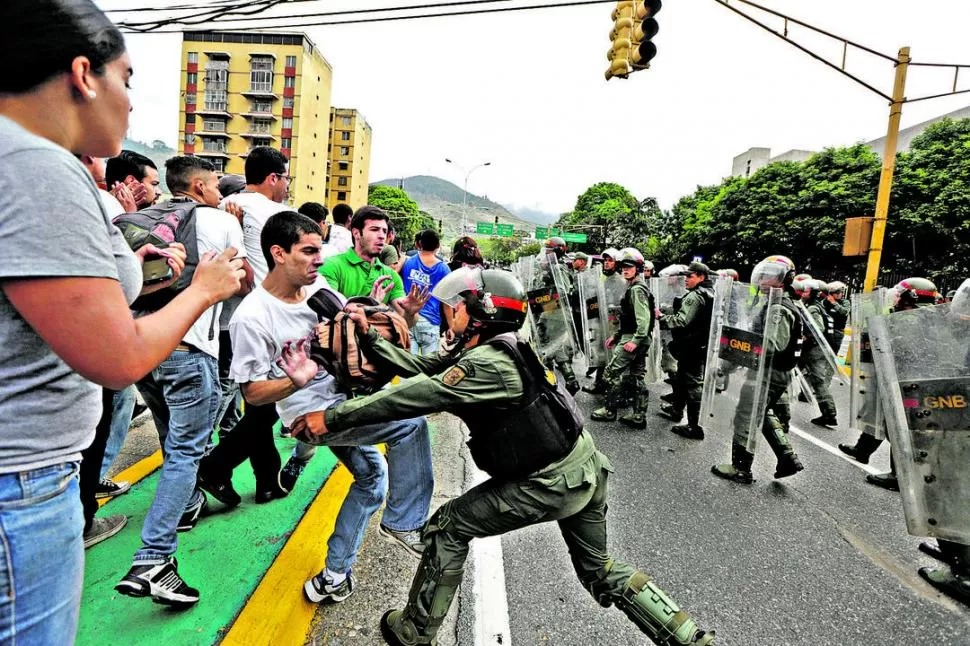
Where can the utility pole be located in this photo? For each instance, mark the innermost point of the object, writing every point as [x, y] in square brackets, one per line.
[888, 168]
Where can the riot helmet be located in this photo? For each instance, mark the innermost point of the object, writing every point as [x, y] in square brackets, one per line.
[837, 288]
[673, 270]
[556, 245]
[648, 266]
[495, 300]
[811, 289]
[960, 303]
[914, 292]
[773, 271]
[631, 257]
[730, 273]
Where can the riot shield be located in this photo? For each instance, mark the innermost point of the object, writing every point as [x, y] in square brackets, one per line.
[800, 386]
[865, 405]
[549, 306]
[736, 402]
[591, 339]
[922, 359]
[612, 289]
[666, 289]
[818, 336]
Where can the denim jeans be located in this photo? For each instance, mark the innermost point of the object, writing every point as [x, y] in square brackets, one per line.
[122, 405]
[408, 482]
[424, 337]
[41, 555]
[183, 395]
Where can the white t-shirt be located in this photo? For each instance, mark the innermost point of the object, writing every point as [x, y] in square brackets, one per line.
[340, 238]
[215, 230]
[111, 204]
[260, 326]
[257, 208]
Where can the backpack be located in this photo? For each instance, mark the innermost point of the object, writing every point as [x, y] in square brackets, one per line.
[160, 225]
[336, 345]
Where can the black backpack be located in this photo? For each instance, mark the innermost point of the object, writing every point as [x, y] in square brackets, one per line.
[162, 224]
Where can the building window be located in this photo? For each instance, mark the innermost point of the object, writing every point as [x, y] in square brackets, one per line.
[192, 78]
[213, 145]
[189, 138]
[262, 126]
[193, 57]
[288, 102]
[217, 84]
[291, 61]
[341, 181]
[345, 136]
[256, 143]
[213, 125]
[190, 117]
[343, 166]
[289, 81]
[190, 98]
[287, 123]
[219, 163]
[286, 142]
[262, 107]
[344, 150]
[347, 120]
[342, 195]
[261, 74]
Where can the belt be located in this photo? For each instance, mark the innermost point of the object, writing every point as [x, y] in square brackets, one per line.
[186, 347]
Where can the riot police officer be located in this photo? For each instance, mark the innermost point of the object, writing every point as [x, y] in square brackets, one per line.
[609, 261]
[527, 434]
[838, 309]
[783, 347]
[557, 330]
[629, 345]
[908, 294]
[690, 325]
[816, 367]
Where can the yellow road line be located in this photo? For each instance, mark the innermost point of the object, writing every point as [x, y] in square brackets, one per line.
[277, 611]
[139, 470]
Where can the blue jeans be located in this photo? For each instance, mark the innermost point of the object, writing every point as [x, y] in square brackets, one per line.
[41, 555]
[123, 405]
[408, 482]
[424, 337]
[183, 395]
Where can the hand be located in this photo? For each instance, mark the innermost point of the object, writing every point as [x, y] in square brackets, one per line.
[219, 275]
[306, 427]
[139, 193]
[630, 346]
[381, 288]
[296, 363]
[356, 314]
[234, 210]
[123, 194]
[416, 299]
[175, 255]
[609, 344]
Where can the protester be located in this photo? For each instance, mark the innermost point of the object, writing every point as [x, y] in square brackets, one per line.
[340, 236]
[71, 99]
[426, 270]
[137, 173]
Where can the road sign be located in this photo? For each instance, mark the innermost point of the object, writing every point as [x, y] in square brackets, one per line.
[506, 230]
[485, 228]
[542, 233]
[574, 237]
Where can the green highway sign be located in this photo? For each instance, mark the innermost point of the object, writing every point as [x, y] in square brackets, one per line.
[542, 233]
[574, 237]
[485, 228]
[506, 230]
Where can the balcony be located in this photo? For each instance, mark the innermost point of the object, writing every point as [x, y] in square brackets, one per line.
[259, 115]
[213, 111]
[212, 133]
[212, 153]
[258, 135]
[260, 91]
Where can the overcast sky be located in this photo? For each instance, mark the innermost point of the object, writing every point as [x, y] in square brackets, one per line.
[525, 91]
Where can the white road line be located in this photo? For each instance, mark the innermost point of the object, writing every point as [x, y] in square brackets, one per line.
[834, 450]
[491, 602]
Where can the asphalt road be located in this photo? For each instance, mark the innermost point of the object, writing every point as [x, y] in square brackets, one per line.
[820, 558]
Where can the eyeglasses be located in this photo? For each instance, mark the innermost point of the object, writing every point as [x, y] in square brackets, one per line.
[288, 178]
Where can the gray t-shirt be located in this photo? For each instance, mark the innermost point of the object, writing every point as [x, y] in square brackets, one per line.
[52, 224]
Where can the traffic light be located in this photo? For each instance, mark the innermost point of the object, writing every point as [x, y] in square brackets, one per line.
[633, 30]
[622, 36]
[644, 29]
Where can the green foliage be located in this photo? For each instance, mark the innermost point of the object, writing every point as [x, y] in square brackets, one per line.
[408, 219]
[613, 217]
[506, 250]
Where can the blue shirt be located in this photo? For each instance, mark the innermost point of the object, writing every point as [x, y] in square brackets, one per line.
[415, 272]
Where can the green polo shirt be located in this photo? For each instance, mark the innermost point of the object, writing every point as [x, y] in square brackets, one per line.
[353, 276]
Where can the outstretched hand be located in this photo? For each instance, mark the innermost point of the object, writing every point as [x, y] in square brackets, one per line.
[295, 362]
[381, 288]
[416, 299]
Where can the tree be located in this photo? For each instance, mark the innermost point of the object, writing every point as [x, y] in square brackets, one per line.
[621, 219]
[404, 213]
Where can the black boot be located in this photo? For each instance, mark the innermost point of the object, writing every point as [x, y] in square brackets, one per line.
[885, 480]
[864, 447]
[692, 430]
[637, 418]
[955, 580]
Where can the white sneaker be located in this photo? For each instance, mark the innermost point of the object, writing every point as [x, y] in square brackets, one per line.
[322, 588]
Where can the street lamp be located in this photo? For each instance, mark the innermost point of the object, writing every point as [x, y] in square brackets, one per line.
[464, 198]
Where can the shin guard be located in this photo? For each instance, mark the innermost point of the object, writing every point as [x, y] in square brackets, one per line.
[658, 616]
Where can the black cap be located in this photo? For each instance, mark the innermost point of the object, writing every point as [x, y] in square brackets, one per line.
[698, 268]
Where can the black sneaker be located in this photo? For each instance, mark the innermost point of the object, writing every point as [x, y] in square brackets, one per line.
[104, 528]
[221, 489]
[159, 581]
[190, 517]
[321, 588]
[291, 473]
[108, 488]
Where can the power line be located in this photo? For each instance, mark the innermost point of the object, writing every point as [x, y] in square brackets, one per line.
[576, 3]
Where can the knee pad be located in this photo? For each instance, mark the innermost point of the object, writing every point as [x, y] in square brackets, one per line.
[658, 616]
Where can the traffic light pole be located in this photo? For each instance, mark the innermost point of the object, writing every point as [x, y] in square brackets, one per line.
[888, 169]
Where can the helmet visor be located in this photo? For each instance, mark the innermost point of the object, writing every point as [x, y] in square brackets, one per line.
[769, 274]
[467, 279]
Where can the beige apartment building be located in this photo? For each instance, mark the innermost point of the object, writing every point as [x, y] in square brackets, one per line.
[349, 150]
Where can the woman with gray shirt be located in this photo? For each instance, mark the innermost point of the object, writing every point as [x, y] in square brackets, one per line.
[66, 278]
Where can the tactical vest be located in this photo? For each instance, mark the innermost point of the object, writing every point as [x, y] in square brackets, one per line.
[828, 329]
[628, 318]
[697, 333]
[512, 444]
[787, 358]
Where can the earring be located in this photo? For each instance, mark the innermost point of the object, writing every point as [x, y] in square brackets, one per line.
[92, 95]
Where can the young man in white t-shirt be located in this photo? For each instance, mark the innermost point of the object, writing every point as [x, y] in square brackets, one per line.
[277, 312]
[183, 394]
[341, 239]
